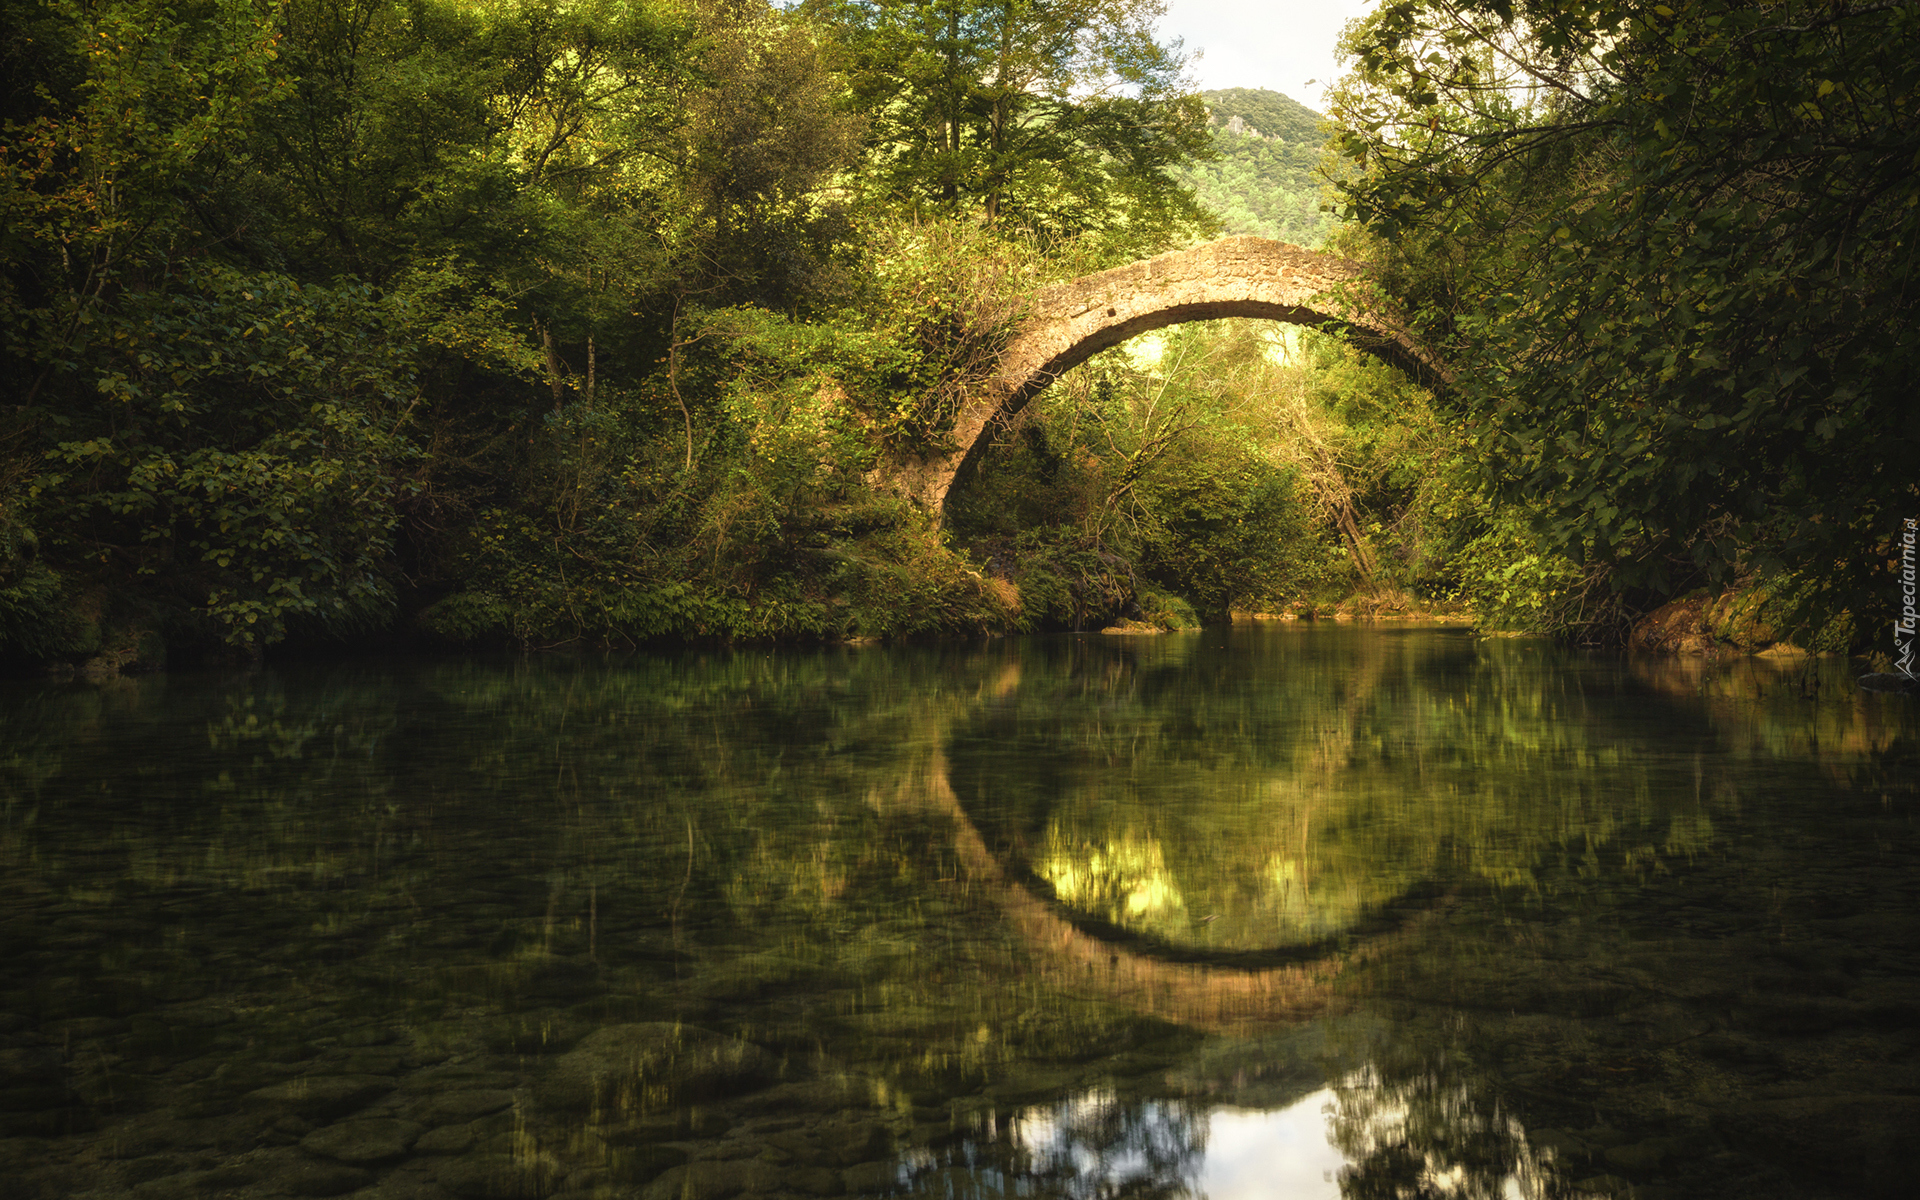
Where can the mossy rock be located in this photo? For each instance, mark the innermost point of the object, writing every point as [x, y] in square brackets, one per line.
[1741, 619]
[1772, 612]
[1778, 616]
[1167, 611]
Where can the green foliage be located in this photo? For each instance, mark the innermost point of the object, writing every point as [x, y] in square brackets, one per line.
[245, 444]
[617, 538]
[769, 140]
[892, 366]
[135, 104]
[36, 618]
[1511, 581]
[279, 282]
[903, 582]
[1168, 611]
[1670, 250]
[1061, 117]
[426, 127]
[1230, 532]
[945, 299]
[1068, 579]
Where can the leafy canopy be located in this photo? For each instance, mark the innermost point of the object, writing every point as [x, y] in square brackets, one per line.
[1672, 248]
[1062, 117]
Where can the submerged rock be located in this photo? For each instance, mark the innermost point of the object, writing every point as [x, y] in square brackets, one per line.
[642, 1067]
[499, 1177]
[315, 1178]
[319, 1097]
[363, 1141]
[715, 1180]
[1862, 1140]
[448, 1139]
[465, 1106]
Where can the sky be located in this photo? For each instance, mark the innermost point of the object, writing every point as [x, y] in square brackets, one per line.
[1276, 44]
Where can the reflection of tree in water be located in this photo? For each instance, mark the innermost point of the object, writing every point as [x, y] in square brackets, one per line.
[1425, 1136]
[1094, 1146]
[1275, 792]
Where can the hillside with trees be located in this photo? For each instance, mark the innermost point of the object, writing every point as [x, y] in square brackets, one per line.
[1264, 178]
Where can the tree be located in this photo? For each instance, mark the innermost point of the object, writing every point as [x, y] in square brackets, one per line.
[1058, 116]
[767, 152]
[1673, 251]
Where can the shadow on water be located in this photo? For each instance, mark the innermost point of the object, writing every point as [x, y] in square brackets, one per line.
[1368, 913]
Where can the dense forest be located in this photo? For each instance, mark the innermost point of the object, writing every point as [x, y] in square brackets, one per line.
[431, 321]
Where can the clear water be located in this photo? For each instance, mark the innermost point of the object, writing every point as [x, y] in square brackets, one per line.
[1280, 911]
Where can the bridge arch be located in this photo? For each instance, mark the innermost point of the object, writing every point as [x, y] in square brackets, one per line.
[1068, 323]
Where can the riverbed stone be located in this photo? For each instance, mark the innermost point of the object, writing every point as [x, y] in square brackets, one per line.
[374, 1060]
[871, 1177]
[369, 1035]
[457, 1077]
[1666, 1024]
[852, 1142]
[410, 1180]
[319, 1097]
[812, 1181]
[648, 1066]
[800, 1145]
[715, 1180]
[157, 1166]
[750, 975]
[499, 1177]
[73, 1029]
[465, 1106]
[197, 1183]
[643, 1164]
[639, 1131]
[30, 1066]
[362, 1141]
[811, 1095]
[319, 1177]
[448, 1139]
[1860, 1139]
[1033, 1086]
[1641, 1157]
[565, 979]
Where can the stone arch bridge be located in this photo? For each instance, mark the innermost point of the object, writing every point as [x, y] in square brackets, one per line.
[1235, 277]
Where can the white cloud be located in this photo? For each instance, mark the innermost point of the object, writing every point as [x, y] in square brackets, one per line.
[1277, 44]
[1259, 1155]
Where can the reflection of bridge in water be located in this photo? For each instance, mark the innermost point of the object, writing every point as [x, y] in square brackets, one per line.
[1217, 996]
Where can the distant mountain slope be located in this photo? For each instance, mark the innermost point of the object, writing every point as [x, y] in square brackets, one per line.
[1263, 182]
[1273, 114]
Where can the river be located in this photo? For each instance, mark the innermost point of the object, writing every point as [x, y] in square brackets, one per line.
[1294, 911]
